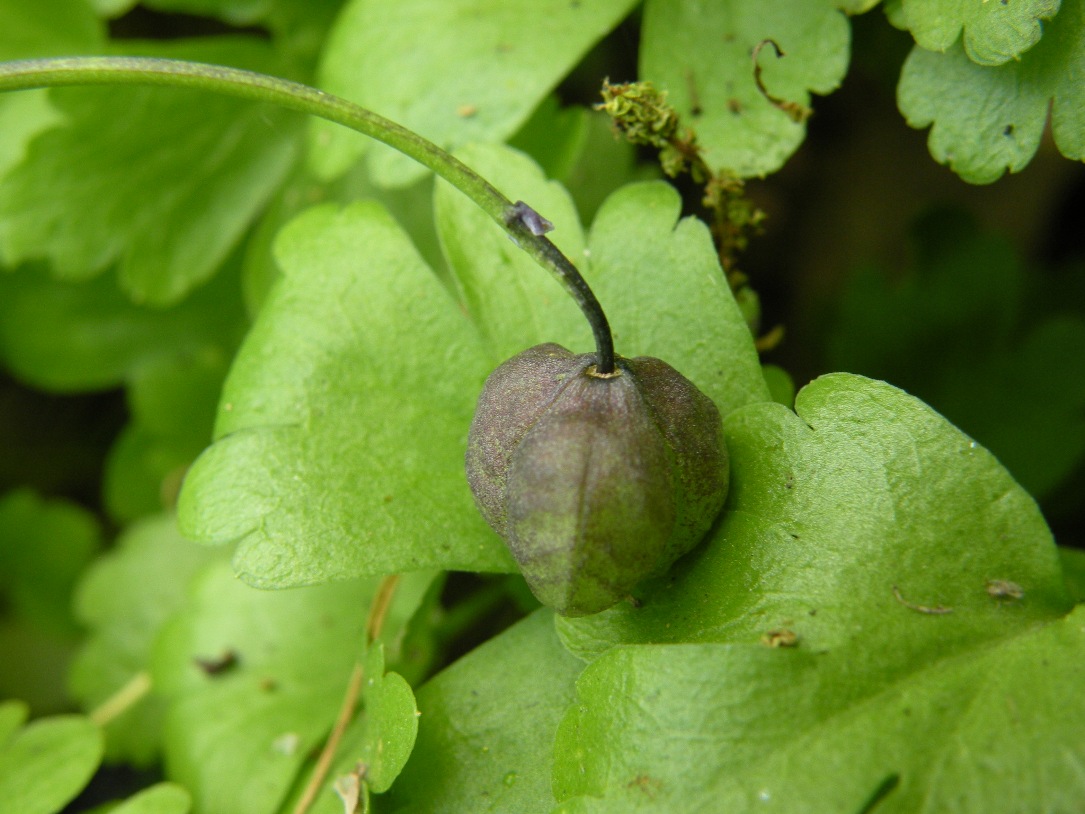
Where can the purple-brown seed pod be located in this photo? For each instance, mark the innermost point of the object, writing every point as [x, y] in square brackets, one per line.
[595, 481]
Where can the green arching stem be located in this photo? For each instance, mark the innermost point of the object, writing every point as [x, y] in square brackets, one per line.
[41, 73]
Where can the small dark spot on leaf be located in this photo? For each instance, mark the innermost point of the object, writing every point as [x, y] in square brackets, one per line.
[794, 536]
[734, 105]
[217, 666]
[388, 498]
[695, 108]
[268, 684]
[1008, 131]
[884, 789]
[813, 611]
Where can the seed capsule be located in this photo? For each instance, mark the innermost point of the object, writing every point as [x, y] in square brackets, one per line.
[594, 481]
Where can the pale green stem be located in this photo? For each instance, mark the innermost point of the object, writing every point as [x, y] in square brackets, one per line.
[134, 691]
[516, 219]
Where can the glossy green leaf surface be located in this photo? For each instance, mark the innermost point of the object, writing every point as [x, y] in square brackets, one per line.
[344, 420]
[343, 381]
[378, 742]
[987, 120]
[514, 303]
[667, 297]
[745, 728]
[161, 182]
[842, 520]
[254, 680]
[993, 33]
[486, 731]
[655, 273]
[862, 645]
[474, 72]
[700, 54]
[123, 600]
[46, 763]
[389, 723]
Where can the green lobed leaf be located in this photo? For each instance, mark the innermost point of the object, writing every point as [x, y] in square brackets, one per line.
[163, 182]
[841, 521]
[254, 680]
[412, 208]
[985, 120]
[700, 54]
[343, 423]
[124, 599]
[865, 532]
[46, 763]
[486, 730]
[378, 742]
[474, 70]
[993, 33]
[67, 336]
[666, 296]
[656, 275]
[388, 724]
[513, 302]
[715, 727]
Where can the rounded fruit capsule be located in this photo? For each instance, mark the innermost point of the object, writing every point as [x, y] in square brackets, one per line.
[595, 481]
